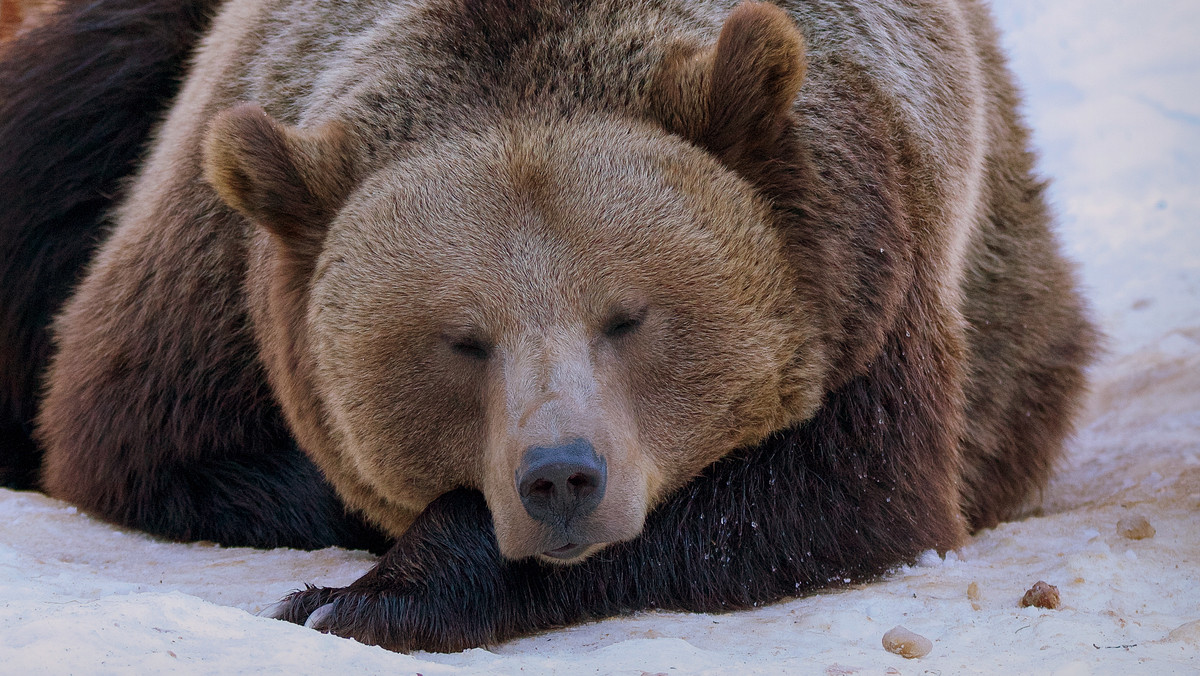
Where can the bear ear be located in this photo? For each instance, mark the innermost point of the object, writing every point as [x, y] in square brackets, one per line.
[733, 98]
[290, 181]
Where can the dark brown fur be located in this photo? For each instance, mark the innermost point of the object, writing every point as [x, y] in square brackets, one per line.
[81, 91]
[1026, 376]
[856, 338]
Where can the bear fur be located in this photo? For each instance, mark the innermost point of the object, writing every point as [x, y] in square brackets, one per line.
[17, 16]
[786, 269]
[82, 88]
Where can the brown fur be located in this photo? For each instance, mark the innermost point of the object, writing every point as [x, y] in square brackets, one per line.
[722, 244]
[552, 335]
[17, 16]
[81, 91]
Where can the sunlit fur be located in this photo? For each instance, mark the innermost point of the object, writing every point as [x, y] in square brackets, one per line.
[17, 16]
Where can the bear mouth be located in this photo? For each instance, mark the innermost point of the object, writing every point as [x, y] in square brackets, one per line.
[566, 552]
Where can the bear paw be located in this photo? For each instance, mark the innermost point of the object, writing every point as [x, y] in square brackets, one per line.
[358, 615]
[395, 621]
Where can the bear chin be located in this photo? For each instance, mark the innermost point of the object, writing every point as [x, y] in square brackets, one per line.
[570, 553]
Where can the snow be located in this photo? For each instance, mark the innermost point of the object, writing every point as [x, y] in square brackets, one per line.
[1114, 97]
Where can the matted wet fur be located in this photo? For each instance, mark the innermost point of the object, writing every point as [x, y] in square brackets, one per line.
[788, 273]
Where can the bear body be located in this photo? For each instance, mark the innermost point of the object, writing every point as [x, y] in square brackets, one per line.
[589, 306]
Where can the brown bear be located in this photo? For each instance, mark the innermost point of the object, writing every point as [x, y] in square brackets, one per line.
[590, 306]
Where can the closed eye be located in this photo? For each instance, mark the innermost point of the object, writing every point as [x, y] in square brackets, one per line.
[624, 324]
[471, 347]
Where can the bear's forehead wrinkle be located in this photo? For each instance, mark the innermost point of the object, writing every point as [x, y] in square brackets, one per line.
[549, 385]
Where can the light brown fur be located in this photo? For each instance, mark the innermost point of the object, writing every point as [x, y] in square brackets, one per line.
[17, 16]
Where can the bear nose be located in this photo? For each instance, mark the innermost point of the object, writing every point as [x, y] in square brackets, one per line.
[560, 483]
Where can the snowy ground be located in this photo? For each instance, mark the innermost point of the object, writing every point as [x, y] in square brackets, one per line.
[1114, 94]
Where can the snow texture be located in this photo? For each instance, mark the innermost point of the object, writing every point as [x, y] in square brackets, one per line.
[1114, 97]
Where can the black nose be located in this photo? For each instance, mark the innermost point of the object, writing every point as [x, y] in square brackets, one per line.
[560, 483]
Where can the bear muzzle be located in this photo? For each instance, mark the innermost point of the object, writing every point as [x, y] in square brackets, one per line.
[560, 487]
[564, 474]
[560, 483]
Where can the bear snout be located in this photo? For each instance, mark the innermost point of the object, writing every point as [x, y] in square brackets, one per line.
[558, 485]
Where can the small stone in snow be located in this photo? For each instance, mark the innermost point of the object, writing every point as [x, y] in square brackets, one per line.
[1042, 595]
[973, 595]
[1135, 527]
[904, 643]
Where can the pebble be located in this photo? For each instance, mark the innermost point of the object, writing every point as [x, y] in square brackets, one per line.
[1135, 527]
[905, 643]
[1042, 595]
[973, 595]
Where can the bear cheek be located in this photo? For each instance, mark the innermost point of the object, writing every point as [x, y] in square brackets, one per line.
[685, 422]
[410, 423]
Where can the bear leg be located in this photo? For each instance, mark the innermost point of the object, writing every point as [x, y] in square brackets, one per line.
[441, 587]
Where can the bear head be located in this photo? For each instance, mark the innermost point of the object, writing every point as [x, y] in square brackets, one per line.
[574, 314]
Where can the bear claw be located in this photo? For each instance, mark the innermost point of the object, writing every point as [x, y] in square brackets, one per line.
[319, 619]
[299, 606]
[275, 611]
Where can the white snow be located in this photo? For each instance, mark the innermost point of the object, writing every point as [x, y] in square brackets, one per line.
[1114, 98]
